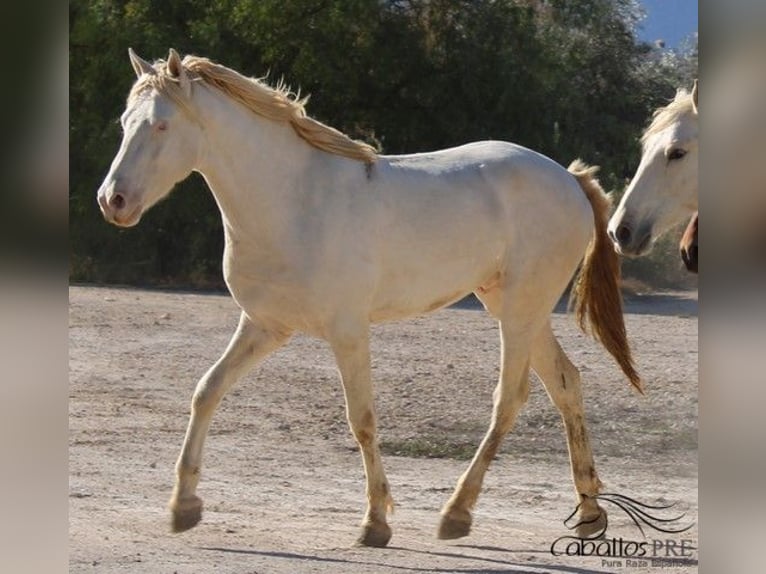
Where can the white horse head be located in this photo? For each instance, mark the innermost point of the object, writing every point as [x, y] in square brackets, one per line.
[663, 191]
[161, 141]
[166, 134]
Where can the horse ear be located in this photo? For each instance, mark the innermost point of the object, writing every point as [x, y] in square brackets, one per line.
[140, 65]
[695, 103]
[176, 70]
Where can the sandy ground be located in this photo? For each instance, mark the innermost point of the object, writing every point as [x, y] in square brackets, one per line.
[283, 481]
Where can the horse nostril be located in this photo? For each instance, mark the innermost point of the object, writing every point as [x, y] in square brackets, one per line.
[117, 201]
[623, 234]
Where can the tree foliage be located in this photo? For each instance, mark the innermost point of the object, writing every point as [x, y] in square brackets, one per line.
[565, 77]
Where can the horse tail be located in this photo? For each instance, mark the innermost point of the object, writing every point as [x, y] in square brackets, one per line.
[596, 296]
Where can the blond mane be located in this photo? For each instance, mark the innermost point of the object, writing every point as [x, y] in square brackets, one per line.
[665, 117]
[278, 103]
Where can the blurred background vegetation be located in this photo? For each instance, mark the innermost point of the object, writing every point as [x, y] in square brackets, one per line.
[568, 78]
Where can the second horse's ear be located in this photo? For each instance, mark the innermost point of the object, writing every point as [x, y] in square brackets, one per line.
[175, 69]
[695, 103]
[140, 65]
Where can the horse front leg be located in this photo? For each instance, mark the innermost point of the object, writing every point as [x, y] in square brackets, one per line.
[562, 382]
[250, 344]
[351, 347]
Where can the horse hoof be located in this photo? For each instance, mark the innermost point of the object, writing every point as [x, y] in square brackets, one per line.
[186, 513]
[454, 525]
[375, 534]
[593, 526]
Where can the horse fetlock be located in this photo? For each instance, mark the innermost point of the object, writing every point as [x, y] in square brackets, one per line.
[454, 524]
[185, 513]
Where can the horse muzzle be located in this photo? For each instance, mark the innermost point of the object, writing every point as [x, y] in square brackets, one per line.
[629, 243]
[117, 208]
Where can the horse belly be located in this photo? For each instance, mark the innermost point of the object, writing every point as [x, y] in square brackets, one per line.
[431, 277]
[415, 302]
[437, 244]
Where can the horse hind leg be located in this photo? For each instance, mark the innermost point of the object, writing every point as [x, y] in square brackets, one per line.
[509, 396]
[562, 383]
[250, 344]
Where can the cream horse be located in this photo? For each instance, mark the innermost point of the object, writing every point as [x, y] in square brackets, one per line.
[325, 236]
[663, 192]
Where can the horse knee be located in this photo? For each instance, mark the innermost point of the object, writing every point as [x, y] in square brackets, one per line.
[363, 428]
[363, 437]
[507, 396]
[508, 401]
[207, 395]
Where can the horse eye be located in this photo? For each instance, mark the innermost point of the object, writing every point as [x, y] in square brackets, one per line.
[162, 126]
[676, 153]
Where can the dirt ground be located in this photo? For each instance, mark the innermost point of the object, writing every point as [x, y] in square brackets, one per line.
[282, 479]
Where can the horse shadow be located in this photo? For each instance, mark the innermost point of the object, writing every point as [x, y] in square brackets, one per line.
[485, 564]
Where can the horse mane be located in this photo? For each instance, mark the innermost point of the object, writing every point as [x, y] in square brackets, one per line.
[666, 116]
[277, 103]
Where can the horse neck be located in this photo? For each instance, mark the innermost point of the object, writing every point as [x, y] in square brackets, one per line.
[250, 163]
